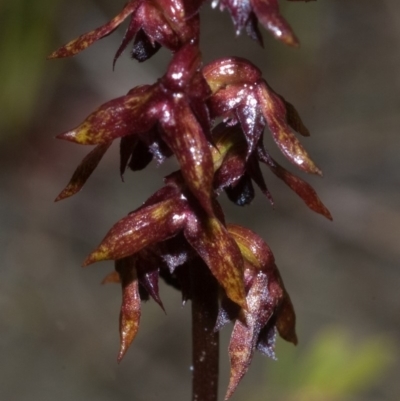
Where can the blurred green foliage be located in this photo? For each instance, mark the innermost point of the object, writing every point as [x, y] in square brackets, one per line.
[334, 367]
[26, 28]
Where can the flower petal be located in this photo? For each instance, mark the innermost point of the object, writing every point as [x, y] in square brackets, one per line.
[219, 251]
[244, 336]
[302, 189]
[286, 320]
[131, 31]
[230, 71]
[267, 12]
[130, 309]
[117, 118]
[147, 267]
[186, 139]
[274, 112]
[84, 171]
[252, 247]
[84, 41]
[294, 119]
[144, 227]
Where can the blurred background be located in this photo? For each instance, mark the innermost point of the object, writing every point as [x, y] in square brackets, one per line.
[59, 326]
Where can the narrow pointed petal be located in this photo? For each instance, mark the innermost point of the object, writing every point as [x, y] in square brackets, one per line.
[147, 267]
[251, 120]
[126, 147]
[84, 41]
[244, 336]
[252, 29]
[117, 118]
[302, 189]
[274, 112]
[230, 71]
[144, 227]
[219, 251]
[84, 171]
[130, 309]
[267, 12]
[286, 320]
[132, 30]
[186, 139]
[141, 157]
[253, 167]
[294, 119]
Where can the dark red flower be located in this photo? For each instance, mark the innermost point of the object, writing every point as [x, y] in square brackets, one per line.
[269, 307]
[247, 13]
[171, 112]
[153, 23]
[241, 95]
[235, 171]
[169, 212]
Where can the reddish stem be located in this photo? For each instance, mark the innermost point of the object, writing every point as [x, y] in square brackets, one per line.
[205, 340]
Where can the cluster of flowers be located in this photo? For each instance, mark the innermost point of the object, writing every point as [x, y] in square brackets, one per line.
[183, 222]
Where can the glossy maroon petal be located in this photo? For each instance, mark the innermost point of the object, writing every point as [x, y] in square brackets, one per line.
[184, 136]
[301, 187]
[227, 99]
[147, 267]
[117, 118]
[294, 119]
[219, 251]
[126, 146]
[254, 170]
[156, 25]
[245, 335]
[251, 120]
[286, 320]
[274, 112]
[230, 71]
[252, 29]
[267, 12]
[131, 31]
[130, 309]
[84, 171]
[89, 38]
[253, 248]
[144, 227]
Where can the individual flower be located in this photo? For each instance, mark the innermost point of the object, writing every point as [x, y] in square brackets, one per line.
[270, 310]
[153, 23]
[239, 94]
[169, 116]
[235, 172]
[170, 212]
[247, 13]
